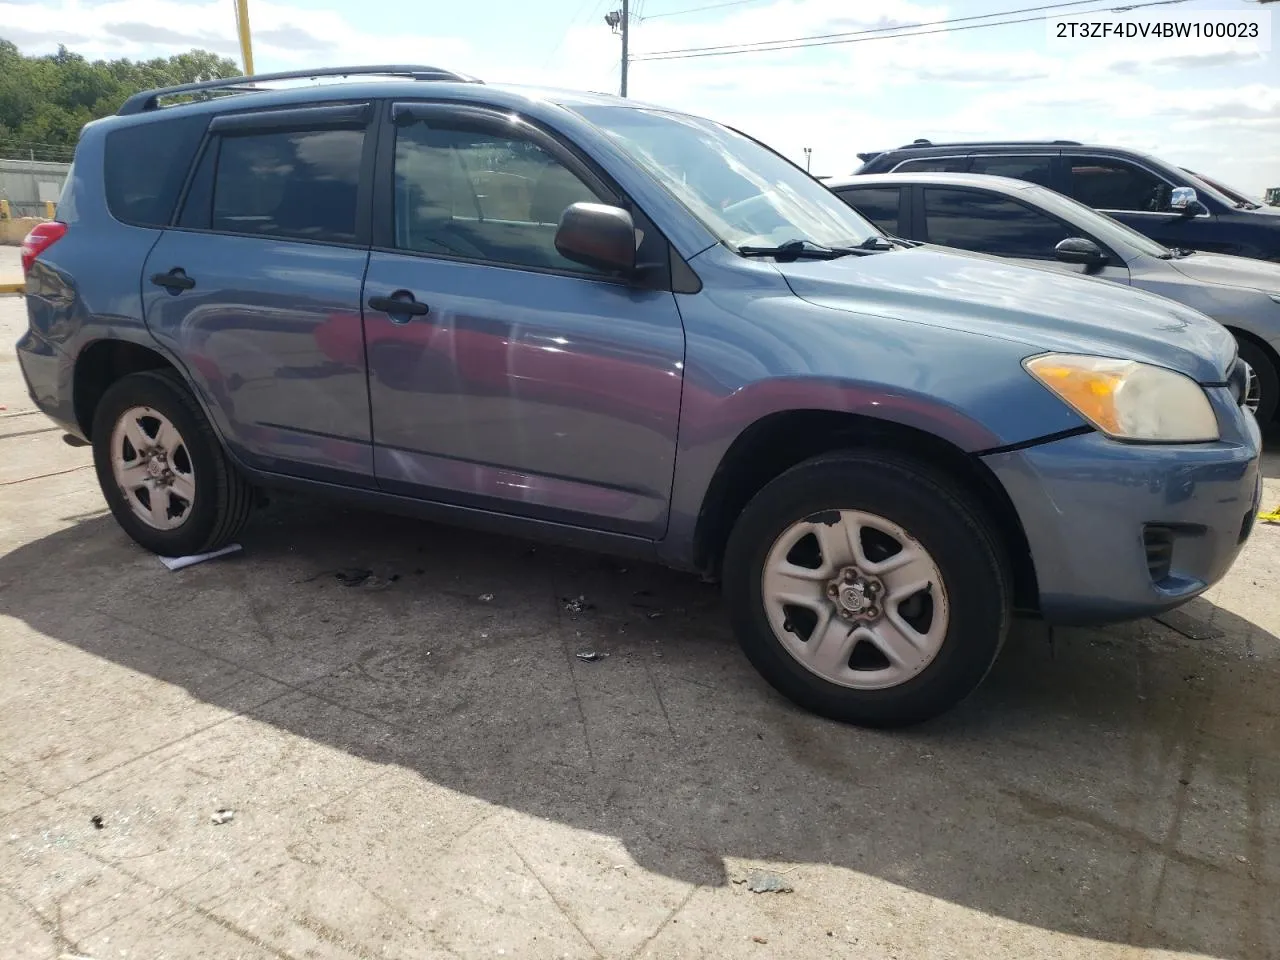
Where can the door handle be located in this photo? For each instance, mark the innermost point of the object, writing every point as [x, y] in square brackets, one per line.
[175, 281]
[399, 304]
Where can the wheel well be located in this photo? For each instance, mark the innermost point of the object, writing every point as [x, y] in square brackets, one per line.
[778, 442]
[100, 365]
[1257, 342]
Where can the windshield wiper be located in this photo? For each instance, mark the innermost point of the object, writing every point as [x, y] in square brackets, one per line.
[797, 250]
[808, 250]
[1182, 252]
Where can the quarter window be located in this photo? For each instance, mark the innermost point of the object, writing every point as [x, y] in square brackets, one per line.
[988, 223]
[877, 204]
[483, 196]
[296, 184]
[1106, 184]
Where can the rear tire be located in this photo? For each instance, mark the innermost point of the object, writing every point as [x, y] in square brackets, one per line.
[162, 469]
[888, 656]
[1268, 379]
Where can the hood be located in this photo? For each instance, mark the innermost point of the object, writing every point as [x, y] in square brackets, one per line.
[1044, 309]
[1230, 271]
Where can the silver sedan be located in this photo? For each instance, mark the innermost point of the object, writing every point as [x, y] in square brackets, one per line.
[1033, 224]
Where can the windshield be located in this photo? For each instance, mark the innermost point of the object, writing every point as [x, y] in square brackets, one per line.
[1235, 196]
[1111, 232]
[742, 192]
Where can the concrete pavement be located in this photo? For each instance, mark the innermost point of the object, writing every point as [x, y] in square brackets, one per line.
[421, 766]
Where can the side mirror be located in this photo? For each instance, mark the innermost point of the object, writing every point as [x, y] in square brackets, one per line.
[598, 236]
[1184, 200]
[1081, 251]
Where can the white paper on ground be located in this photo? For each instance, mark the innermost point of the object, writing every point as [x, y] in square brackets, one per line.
[177, 563]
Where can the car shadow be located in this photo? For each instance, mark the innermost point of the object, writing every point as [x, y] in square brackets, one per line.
[1081, 790]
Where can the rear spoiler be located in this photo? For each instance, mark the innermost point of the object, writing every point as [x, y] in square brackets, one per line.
[868, 157]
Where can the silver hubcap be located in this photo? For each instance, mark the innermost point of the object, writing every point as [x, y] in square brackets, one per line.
[855, 599]
[152, 468]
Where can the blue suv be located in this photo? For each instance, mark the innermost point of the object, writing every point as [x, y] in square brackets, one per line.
[621, 327]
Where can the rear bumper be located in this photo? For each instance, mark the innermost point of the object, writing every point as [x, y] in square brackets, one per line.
[48, 374]
[1121, 531]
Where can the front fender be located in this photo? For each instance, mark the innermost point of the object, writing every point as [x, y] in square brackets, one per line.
[755, 350]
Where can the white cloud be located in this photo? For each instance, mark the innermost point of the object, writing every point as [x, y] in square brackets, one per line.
[838, 100]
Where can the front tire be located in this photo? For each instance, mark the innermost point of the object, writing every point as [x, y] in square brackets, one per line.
[162, 470]
[1266, 381]
[867, 587]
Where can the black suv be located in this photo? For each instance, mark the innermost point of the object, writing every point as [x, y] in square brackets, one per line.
[1139, 190]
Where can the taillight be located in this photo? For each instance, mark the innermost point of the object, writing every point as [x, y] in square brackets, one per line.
[40, 239]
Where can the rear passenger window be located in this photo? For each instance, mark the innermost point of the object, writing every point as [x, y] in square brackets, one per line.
[877, 204]
[294, 184]
[1034, 169]
[145, 165]
[934, 165]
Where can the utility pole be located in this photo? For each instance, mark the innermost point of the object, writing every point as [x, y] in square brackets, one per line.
[626, 33]
[242, 27]
[619, 21]
[808, 155]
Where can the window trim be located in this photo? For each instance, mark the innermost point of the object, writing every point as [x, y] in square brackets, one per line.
[499, 120]
[1173, 215]
[945, 156]
[213, 142]
[1072, 230]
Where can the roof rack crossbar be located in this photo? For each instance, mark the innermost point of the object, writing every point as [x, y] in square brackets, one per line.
[150, 99]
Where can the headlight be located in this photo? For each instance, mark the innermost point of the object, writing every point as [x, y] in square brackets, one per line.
[1128, 400]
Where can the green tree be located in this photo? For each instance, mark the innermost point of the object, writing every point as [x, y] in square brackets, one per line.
[45, 101]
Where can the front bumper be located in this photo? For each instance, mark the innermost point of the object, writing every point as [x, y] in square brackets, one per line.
[1120, 531]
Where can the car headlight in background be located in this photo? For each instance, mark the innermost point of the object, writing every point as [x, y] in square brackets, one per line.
[1128, 400]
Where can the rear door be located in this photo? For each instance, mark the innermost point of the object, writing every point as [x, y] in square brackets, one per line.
[503, 376]
[257, 287]
[989, 222]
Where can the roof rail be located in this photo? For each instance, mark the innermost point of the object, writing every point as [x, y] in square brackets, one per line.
[150, 99]
[989, 143]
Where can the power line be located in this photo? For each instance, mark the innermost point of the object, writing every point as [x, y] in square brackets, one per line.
[901, 26]
[711, 6]
[882, 33]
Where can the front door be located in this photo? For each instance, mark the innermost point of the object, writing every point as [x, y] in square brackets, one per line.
[986, 222]
[502, 375]
[257, 289]
[1139, 198]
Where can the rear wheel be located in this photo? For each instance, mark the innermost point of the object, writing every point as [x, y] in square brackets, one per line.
[162, 470]
[1264, 386]
[867, 588]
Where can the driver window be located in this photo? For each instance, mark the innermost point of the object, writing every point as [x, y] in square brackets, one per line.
[482, 196]
[1107, 184]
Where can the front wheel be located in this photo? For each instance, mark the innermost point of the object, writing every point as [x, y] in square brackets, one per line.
[867, 588]
[1264, 386]
[162, 470]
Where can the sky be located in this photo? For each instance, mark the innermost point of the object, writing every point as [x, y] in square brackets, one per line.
[1210, 105]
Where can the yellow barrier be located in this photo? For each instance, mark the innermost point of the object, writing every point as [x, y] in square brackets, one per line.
[50, 208]
[4, 210]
